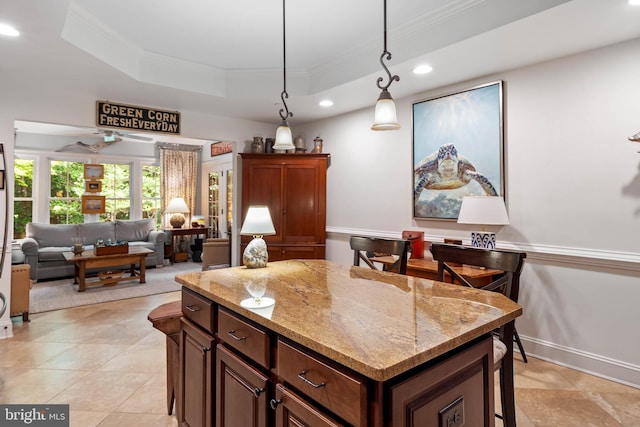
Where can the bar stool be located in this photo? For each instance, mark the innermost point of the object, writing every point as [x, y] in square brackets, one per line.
[166, 318]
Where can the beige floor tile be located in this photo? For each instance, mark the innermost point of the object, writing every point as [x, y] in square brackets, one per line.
[118, 419]
[138, 359]
[623, 407]
[33, 354]
[154, 337]
[565, 408]
[539, 374]
[101, 391]
[16, 393]
[148, 399]
[84, 357]
[86, 419]
[54, 377]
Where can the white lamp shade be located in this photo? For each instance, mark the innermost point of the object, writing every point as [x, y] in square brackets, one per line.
[385, 115]
[284, 139]
[258, 222]
[483, 210]
[177, 205]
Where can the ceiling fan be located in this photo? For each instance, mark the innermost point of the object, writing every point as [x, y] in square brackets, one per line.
[108, 137]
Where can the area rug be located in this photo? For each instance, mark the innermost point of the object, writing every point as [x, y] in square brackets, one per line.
[59, 294]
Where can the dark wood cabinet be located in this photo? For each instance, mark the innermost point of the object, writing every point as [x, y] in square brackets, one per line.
[196, 376]
[292, 410]
[294, 187]
[241, 392]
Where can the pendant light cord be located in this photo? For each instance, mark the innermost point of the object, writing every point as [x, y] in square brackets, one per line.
[386, 54]
[284, 95]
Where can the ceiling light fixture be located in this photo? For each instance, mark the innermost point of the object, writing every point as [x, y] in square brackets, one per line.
[8, 30]
[284, 139]
[326, 103]
[385, 114]
[634, 2]
[422, 69]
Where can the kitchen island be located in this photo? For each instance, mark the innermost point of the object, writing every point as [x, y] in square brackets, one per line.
[335, 345]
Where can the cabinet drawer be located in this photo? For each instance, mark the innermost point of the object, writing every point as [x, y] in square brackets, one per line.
[249, 340]
[343, 394]
[198, 309]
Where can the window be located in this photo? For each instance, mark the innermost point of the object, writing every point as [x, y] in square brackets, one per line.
[67, 187]
[115, 186]
[151, 193]
[23, 196]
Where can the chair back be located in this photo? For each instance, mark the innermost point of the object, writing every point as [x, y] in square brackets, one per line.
[510, 262]
[365, 248]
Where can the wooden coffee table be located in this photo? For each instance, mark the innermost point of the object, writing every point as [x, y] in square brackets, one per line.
[88, 259]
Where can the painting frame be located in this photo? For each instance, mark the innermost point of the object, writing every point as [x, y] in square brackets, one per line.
[93, 204]
[221, 147]
[457, 150]
[93, 186]
[93, 171]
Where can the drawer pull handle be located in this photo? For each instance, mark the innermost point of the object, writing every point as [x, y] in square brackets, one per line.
[274, 403]
[191, 307]
[301, 375]
[257, 391]
[232, 334]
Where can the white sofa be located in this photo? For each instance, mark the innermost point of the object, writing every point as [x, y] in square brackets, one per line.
[45, 243]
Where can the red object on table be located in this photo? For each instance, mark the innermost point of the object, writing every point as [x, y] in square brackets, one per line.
[417, 243]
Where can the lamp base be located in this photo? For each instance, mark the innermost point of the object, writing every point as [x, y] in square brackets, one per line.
[177, 220]
[483, 240]
[255, 254]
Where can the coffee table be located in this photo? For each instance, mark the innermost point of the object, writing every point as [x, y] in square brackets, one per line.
[87, 259]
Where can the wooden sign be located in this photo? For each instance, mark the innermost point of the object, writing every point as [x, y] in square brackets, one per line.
[131, 117]
[218, 148]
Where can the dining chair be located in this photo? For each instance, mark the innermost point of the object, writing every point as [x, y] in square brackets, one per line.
[508, 282]
[365, 248]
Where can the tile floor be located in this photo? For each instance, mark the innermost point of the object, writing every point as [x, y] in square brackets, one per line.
[108, 363]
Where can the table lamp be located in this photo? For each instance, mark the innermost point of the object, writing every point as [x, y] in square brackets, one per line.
[177, 207]
[483, 210]
[257, 223]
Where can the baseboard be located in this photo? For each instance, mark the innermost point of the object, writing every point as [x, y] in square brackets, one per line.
[600, 366]
[6, 328]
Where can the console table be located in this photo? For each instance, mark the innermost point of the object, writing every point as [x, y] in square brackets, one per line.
[180, 232]
[335, 345]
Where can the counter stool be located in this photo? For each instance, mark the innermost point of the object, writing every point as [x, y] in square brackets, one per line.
[166, 318]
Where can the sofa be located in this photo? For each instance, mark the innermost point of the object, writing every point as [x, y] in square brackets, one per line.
[45, 243]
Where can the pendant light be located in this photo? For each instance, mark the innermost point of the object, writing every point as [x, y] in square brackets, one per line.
[385, 115]
[284, 139]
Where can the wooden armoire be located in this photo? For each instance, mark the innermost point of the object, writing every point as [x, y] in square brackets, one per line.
[294, 187]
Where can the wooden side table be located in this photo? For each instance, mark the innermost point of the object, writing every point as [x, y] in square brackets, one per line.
[176, 255]
[427, 268]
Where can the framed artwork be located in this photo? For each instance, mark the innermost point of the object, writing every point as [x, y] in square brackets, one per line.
[93, 171]
[457, 150]
[218, 148]
[93, 186]
[93, 204]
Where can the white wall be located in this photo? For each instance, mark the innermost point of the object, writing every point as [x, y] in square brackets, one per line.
[573, 195]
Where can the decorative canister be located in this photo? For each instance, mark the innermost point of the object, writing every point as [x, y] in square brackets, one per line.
[317, 145]
[268, 145]
[258, 145]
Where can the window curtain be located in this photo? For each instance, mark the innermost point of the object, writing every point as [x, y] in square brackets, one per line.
[179, 174]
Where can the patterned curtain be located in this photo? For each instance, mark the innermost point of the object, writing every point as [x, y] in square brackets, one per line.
[179, 173]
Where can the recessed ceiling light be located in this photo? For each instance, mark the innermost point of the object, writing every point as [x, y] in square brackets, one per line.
[326, 103]
[634, 2]
[8, 30]
[422, 69]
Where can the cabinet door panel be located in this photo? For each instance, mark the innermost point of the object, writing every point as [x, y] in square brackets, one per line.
[196, 366]
[302, 209]
[294, 411]
[241, 392]
[265, 189]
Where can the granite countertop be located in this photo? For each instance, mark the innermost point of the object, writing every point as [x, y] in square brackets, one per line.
[377, 323]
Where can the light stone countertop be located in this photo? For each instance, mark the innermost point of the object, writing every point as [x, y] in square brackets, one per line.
[379, 324]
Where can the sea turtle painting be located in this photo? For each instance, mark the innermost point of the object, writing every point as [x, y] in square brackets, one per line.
[445, 169]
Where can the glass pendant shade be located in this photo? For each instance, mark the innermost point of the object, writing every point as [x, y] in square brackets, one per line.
[284, 138]
[385, 115]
